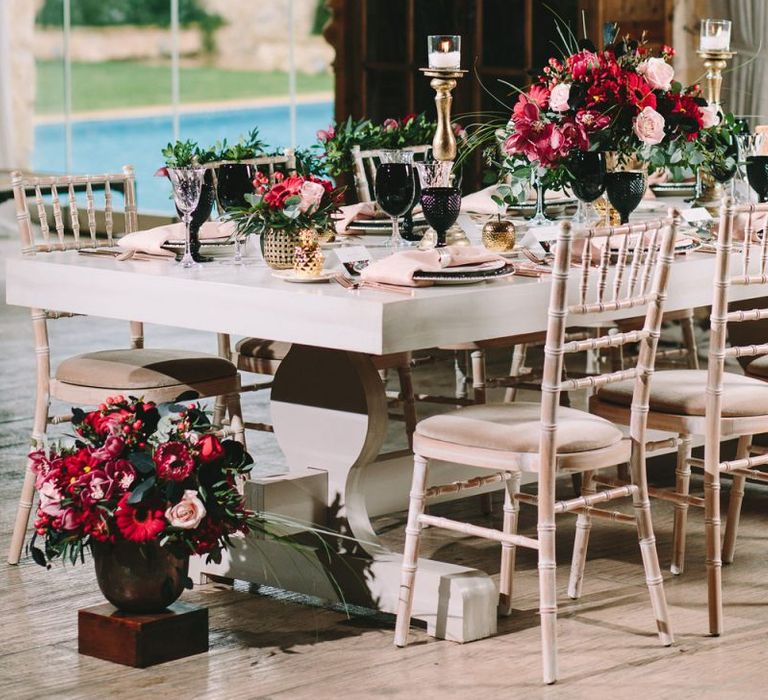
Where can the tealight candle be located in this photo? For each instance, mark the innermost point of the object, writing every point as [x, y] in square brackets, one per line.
[444, 51]
[715, 35]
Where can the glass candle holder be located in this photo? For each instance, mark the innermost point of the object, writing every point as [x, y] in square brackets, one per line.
[715, 35]
[444, 51]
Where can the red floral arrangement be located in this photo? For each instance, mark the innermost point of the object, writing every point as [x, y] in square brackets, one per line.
[294, 202]
[621, 99]
[135, 474]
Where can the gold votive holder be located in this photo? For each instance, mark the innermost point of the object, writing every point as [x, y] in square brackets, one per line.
[499, 235]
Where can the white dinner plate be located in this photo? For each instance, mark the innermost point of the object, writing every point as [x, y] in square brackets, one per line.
[293, 276]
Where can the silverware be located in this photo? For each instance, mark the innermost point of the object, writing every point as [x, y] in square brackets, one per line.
[347, 283]
[536, 258]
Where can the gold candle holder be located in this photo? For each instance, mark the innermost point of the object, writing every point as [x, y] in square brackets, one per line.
[715, 62]
[708, 191]
[443, 82]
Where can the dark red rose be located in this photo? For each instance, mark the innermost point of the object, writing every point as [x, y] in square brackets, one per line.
[209, 448]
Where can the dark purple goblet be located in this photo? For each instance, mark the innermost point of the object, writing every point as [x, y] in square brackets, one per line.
[625, 190]
[441, 207]
[233, 182]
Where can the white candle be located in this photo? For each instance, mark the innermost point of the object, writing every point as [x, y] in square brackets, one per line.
[444, 51]
[445, 59]
[715, 35]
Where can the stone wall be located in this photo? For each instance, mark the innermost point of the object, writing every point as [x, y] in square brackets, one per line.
[254, 37]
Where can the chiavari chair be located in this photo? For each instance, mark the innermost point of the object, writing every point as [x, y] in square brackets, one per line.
[714, 403]
[87, 379]
[549, 440]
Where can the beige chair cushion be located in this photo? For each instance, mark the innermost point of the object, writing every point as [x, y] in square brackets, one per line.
[514, 427]
[758, 367]
[142, 369]
[683, 392]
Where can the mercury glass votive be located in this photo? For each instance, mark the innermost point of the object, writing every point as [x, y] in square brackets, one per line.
[715, 35]
[444, 51]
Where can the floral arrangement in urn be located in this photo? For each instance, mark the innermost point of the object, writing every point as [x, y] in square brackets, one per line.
[279, 211]
[623, 100]
[134, 475]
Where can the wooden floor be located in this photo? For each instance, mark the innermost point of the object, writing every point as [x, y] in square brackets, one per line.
[268, 645]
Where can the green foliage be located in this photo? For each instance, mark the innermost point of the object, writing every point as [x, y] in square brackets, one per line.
[714, 149]
[412, 130]
[322, 15]
[247, 147]
[183, 154]
[104, 13]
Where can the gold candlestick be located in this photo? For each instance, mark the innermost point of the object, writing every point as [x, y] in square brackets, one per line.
[443, 81]
[715, 62]
[708, 191]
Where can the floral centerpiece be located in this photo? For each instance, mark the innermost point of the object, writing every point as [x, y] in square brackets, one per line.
[280, 210]
[137, 478]
[623, 100]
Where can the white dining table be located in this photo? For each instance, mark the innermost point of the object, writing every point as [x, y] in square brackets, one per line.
[328, 403]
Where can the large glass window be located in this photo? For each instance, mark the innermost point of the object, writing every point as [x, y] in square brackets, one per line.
[116, 80]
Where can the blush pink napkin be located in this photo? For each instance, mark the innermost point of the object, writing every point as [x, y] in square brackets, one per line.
[353, 212]
[152, 240]
[399, 268]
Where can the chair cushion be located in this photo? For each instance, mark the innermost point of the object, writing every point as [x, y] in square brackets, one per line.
[683, 392]
[263, 349]
[515, 427]
[758, 367]
[142, 369]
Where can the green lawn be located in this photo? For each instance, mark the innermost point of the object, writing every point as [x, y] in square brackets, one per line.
[116, 84]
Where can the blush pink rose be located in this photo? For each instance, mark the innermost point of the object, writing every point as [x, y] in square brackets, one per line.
[311, 193]
[558, 97]
[188, 513]
[50, 499]
[710, 116]
[657, 72]
[649, 126]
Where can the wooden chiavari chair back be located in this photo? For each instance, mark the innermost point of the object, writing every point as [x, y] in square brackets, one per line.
[364, 164]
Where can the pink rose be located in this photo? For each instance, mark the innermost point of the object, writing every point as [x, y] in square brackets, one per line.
[187, 513]
[50, 499]
[311, 193]
[657, 72]
[113, 447]
[710, 116]
[649, 126]
[390, 124]
[558, 98]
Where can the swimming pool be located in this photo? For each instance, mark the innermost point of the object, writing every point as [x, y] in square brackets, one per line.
[105, 145]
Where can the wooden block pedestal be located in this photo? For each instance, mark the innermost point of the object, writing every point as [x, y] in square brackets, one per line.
[142, 640]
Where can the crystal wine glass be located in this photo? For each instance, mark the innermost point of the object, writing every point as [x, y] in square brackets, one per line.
[187, 185]
[395, 189]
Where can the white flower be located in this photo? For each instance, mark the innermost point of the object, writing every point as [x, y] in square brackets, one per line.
[649, 126]
[710, 116]
[657, 72]
[558, 98]
[188, 513]
[311, 193]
